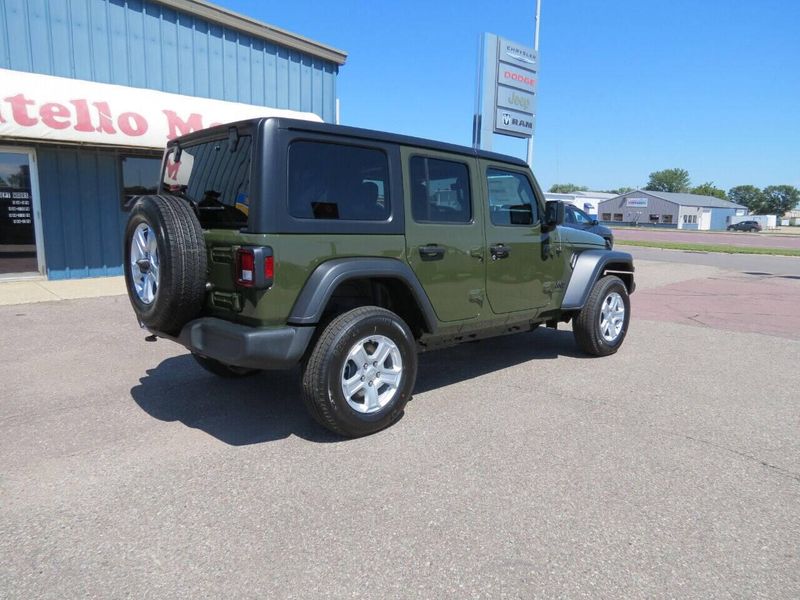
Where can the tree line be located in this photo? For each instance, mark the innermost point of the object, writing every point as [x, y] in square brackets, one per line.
[771, 200]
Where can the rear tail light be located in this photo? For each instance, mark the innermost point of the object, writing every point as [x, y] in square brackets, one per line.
[245, 267]
[255, 267]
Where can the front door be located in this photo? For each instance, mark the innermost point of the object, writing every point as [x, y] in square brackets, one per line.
[444, 231]
[17, 221]
[520, 273]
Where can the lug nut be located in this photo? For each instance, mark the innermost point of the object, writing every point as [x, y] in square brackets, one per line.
[370, 383]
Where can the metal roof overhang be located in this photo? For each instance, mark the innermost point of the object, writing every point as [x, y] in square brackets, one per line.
[222, 16]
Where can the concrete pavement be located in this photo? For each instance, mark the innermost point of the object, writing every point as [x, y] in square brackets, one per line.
[43, 290]
[521, 468]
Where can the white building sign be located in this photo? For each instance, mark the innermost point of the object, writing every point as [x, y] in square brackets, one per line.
[57, 109]
[636, 203]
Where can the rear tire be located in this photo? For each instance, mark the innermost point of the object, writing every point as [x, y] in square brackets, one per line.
[361, 372]
[602, 324]
[220, 369]
[165, 263]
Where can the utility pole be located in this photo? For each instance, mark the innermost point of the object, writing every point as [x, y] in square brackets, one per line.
[537, 18]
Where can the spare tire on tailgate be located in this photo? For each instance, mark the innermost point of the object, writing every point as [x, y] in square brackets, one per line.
[165, 262]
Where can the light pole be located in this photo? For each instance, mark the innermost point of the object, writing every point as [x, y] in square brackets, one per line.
[537, 18]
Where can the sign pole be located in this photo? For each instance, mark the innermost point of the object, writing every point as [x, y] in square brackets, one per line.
[537, 18]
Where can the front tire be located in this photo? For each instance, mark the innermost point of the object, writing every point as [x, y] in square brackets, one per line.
[361, 372]
[602, 324]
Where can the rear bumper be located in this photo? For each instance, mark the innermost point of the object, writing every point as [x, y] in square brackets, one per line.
[243, 346]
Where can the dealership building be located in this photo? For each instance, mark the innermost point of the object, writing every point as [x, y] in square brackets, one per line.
[667, 209]
[93, 89]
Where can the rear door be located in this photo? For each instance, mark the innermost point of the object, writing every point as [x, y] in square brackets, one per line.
[444, 231]
[520, 274]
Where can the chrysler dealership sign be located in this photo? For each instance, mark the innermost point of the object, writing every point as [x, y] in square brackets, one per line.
[56, 109]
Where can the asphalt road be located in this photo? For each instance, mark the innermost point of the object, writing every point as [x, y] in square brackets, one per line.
[521, 468]
[758, 240]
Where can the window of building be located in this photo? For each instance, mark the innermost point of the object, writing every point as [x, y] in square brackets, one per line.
[334, 181]
[655, 218]
[440, 191]
[139, 177]
[690, 218]
[666, 218]
[511, 198]
[618, 216]
[606, 216]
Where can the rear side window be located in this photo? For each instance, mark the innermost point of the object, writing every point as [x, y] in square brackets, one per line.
[511, 198]
[215, 176]
[440, 191]
[334, 181]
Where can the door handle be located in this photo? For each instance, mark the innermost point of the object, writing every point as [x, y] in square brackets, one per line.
[499, 251]
[431, 252]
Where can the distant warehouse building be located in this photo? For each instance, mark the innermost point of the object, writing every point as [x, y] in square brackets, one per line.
[586, 201]
[93, 89]
[666, 209]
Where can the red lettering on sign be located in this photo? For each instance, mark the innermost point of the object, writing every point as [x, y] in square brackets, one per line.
[52, 111]
[517, 77]
[103, 110]
[178, 126]
[84, 120]
[19, 110]
[132, 124]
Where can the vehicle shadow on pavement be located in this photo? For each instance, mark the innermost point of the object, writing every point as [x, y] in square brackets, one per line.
[441, 368]
[267, 406]
[251, 410]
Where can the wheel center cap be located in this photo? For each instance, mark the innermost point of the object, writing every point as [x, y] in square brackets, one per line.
[143, 264]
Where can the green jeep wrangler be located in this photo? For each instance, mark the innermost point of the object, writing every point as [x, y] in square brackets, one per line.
[276, 242]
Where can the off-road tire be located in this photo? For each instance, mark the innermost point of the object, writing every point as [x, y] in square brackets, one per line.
[182, 256]
[322, 370]
[586, 326]
[220, 369]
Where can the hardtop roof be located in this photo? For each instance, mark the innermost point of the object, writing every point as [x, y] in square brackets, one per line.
[353, 133]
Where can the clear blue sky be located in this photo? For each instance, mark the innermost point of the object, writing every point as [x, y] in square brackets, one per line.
[626, 86]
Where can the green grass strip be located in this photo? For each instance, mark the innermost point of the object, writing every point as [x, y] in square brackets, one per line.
[723, 248]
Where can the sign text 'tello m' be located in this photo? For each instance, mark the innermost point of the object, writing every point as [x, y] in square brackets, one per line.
[47, 108]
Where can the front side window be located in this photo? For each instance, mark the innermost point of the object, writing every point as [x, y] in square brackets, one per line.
[215, 176]
[511, 198]
[139, 177]
[334, 181]
[440, 191]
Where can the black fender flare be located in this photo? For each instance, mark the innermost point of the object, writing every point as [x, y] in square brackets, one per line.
[322, 282]
[589, 266]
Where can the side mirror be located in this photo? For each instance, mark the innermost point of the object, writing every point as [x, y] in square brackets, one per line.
[594, 222]
[553, 213]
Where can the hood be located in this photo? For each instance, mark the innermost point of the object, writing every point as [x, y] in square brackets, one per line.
[577, 237]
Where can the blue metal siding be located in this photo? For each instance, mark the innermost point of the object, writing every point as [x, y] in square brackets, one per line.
[719, 217]
[81, 217]
[145, 44]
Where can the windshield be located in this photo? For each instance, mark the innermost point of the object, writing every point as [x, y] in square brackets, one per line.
[215, 177]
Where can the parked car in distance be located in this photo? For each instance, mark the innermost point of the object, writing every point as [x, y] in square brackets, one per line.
[577, 219]
[745, 226]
